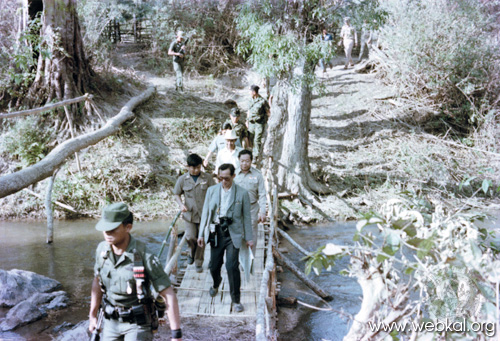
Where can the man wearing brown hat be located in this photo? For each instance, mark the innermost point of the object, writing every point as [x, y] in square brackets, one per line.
[124, 271]
[239, 128]
[258, 112]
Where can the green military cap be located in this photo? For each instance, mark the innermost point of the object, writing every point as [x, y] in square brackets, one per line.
[112, 216]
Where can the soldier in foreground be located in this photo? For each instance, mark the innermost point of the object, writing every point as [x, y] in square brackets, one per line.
[258, 112]
[193, 185]
[125, 270]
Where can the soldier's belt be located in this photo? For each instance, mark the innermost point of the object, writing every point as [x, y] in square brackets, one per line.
[134, 314]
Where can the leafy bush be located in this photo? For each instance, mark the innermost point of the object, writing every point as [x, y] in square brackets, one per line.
[428, 262]
[445, 53]
[27, 141]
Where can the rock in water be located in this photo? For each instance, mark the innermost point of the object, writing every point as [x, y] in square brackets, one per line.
[19, 285]
[77, 333]
[23, 313]
[30, 295]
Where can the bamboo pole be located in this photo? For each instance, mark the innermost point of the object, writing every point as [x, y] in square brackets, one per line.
[58, 203]
[48, 208]
[45, 108]
[173, 261]
[283, 260]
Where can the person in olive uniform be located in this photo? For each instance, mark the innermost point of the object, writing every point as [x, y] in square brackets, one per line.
[252, 180]
[126, 309]
[193, 185]
[177, 49]
[239, 128]
[258, 113]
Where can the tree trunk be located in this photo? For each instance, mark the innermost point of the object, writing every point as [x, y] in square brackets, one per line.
[65, 73]
[288, 135]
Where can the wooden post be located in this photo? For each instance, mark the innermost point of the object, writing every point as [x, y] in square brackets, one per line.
[72, 131]
[172, 248]
[48, 208]
[172, 263]
[300, 275]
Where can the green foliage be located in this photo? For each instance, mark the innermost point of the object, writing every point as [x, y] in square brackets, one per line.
[452, 63]
[483, 181]
[277, 36]
[27, 141]
[435, 253]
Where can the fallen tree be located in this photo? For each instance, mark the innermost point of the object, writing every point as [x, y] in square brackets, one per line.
[14, 182]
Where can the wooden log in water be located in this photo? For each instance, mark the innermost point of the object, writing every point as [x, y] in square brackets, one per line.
[14, 182]
[293, 242]
[287, 263]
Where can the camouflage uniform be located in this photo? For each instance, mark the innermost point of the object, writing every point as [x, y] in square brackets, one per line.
[257, 118]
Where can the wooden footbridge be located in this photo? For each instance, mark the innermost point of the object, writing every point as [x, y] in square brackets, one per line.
[258, 292]
[193, 291]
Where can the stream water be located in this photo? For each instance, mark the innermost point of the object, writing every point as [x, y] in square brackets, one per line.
[69, 260]
[303, 323]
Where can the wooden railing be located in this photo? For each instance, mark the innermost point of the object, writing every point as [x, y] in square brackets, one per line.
[265, 328]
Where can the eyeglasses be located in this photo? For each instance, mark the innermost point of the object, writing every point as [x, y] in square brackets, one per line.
[225, 178]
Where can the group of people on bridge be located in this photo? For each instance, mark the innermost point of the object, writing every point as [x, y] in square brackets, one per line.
[131, 290]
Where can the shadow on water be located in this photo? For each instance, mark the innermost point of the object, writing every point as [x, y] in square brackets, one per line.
[69, 260]
[302, 323]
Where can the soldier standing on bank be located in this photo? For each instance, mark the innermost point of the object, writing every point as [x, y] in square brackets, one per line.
[178, 50]
[258, 112]
[193, 185]
[239, 128]
[252, 180]
[125, 270]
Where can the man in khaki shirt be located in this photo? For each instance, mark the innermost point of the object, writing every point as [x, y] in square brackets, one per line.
[193, 185]
[252, 180]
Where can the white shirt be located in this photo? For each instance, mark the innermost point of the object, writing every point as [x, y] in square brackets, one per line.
[225, 200]
[226, 156]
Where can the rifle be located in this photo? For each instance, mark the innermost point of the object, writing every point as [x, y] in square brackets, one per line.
[95, 334]
[168, 233]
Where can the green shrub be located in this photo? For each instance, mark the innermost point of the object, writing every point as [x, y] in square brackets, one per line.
[445, 53]
[27, 141]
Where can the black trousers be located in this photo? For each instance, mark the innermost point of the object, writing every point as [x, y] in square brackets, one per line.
[232, 265]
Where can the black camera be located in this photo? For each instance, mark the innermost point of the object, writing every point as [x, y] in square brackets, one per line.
[224, 223]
